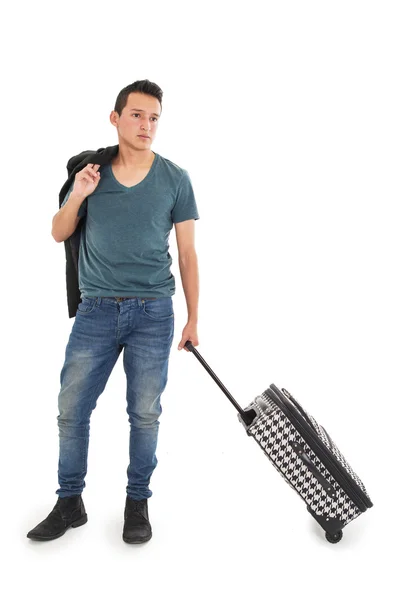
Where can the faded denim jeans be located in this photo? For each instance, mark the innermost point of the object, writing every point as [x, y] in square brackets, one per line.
[103, 327]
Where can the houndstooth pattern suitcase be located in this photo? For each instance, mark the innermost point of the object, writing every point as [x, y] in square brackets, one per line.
[304, 454]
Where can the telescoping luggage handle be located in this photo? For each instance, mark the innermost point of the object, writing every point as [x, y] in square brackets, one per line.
[246, 418]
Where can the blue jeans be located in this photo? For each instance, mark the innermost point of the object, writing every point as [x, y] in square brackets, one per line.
[103, 327]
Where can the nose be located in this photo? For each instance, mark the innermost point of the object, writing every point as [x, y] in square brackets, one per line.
[145, 125]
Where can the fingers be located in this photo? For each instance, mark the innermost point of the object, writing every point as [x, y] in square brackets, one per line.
[91, 171]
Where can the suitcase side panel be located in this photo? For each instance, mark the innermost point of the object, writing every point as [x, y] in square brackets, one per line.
[274, 431]
[333, 460]
[326, 439]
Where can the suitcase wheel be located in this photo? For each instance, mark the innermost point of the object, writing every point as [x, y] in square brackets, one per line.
[334, 538]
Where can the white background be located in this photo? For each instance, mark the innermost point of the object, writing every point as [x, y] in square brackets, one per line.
[284, 115]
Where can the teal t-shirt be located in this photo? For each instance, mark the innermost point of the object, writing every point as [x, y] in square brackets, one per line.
[124, 243]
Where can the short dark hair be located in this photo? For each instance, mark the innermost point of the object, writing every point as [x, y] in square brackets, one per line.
[144, 86]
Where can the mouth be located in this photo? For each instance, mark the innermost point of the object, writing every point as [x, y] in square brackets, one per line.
[145, 137]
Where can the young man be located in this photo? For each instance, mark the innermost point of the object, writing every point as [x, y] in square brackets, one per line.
[123, 206]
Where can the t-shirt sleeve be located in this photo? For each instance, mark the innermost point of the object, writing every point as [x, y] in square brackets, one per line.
[83, 208]
[185, 206]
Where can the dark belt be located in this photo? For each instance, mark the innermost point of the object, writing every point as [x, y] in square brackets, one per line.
[126, 298]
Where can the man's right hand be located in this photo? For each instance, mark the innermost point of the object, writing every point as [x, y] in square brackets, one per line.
[86, 180]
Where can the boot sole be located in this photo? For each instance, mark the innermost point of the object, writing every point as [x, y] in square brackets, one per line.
[77, 523]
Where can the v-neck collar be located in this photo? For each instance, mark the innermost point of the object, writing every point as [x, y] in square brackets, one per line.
[132, 187]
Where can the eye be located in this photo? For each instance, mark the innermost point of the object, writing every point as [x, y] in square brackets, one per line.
[138, 115]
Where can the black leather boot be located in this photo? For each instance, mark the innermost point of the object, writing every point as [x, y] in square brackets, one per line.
[67, 512]
[137, 528]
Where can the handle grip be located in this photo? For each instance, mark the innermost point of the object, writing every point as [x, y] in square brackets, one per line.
[313, 469]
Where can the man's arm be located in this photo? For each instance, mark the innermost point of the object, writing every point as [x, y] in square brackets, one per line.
[66, 220]
[188, 266]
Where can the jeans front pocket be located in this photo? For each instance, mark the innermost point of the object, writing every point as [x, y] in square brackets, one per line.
[87, 305]
[158, 309]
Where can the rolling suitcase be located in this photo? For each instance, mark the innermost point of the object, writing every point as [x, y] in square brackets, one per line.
[304, 454]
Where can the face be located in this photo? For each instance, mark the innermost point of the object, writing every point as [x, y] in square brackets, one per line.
[139, 118]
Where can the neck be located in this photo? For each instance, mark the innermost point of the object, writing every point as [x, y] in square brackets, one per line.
[129, 157]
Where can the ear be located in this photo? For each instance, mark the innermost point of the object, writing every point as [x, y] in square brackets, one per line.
[113, 118]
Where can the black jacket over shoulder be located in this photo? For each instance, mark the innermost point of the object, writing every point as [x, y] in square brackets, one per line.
[101, 156]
